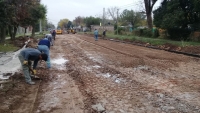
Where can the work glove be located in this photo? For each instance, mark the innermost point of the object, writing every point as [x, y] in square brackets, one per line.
[34, 72]
[25, 62]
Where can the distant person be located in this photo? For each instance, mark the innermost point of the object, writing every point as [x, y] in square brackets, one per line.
[26, 56]
[44, 46]
[96, 34]
[53, 33]
[104, 34]
[50, 38]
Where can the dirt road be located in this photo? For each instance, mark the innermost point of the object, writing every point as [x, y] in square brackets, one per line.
[122, 78]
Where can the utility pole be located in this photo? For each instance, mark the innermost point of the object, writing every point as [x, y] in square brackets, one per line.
[40, 26]
[103, 18]
[117, 21]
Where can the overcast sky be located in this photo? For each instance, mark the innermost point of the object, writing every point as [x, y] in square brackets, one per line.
[61, 9]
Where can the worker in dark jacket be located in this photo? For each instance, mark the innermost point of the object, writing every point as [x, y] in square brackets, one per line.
[45, 41]
[53, 34]
[26, 56]
[44, 46]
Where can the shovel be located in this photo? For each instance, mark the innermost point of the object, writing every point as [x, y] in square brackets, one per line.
[32, 73]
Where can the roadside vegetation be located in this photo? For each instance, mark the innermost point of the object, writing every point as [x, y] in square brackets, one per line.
[154, 41]
[7, 46]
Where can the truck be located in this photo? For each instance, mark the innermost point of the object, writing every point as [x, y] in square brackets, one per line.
[59, 31]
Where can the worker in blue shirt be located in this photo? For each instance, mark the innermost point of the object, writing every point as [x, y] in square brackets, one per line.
[26, 56]
[96, 34]
[45, 41]
[44, 46]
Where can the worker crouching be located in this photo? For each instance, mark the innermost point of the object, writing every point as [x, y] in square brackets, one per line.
[26, 56]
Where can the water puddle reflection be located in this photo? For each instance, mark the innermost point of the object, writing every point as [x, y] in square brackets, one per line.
[59, 61]
[114, 78]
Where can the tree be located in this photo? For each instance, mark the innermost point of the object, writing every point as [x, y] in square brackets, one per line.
[36, 12]
[177, 16]
[148, 7]
[113, 13]
[78, 21]
[50, 25]
[135, 18]
[91, 21]
[176, 13]
[62, 23]
[69, 25]
[3, 19]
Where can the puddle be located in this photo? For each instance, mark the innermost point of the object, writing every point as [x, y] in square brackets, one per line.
[59, 61]
[112, 77]
[140, 67]
[2, 77]
[107, 75]
[97, 66]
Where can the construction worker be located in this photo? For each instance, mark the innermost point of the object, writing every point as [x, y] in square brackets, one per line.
[44, 46]
[26, 56]
[96, 34]
[54, 34]
[50, 38]
[104, 34]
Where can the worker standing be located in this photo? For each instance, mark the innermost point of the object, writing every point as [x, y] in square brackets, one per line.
[96, 34]
[26, 56]
[104, 34]
[53, 34]
[50, 38]
[44, 46]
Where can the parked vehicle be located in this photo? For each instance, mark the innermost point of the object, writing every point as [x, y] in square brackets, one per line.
[59, 31]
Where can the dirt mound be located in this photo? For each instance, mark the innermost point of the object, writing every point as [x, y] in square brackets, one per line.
[191, 49]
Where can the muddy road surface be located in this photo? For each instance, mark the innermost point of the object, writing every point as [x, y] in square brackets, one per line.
[89, 76]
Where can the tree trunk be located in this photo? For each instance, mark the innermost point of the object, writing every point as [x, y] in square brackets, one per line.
[2, 34]
[33, 31]
[148, 7]
[149, 21]
[10, 29]
[14, 33]
[25, 31]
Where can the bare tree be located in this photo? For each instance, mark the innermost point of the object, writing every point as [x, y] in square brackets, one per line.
[148, 7]
[78, 20]
[113, 13]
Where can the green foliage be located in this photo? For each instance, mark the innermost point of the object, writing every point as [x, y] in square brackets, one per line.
[179, 33]
[143, 32]
[120, 30]
[63, 23]
[69, 25]
[91, 21]
[176, 16]
[50, 25]
[147, 33]
[115, 26]
[5, 47]
[134, 18]
[155, 33]
[154, 41]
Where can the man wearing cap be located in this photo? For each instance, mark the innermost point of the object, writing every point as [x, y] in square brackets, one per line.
[26, 56]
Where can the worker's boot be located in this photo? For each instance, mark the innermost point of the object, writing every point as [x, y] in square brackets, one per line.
[31, 83]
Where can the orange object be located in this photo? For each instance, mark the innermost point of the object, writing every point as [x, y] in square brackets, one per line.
[59, 31]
